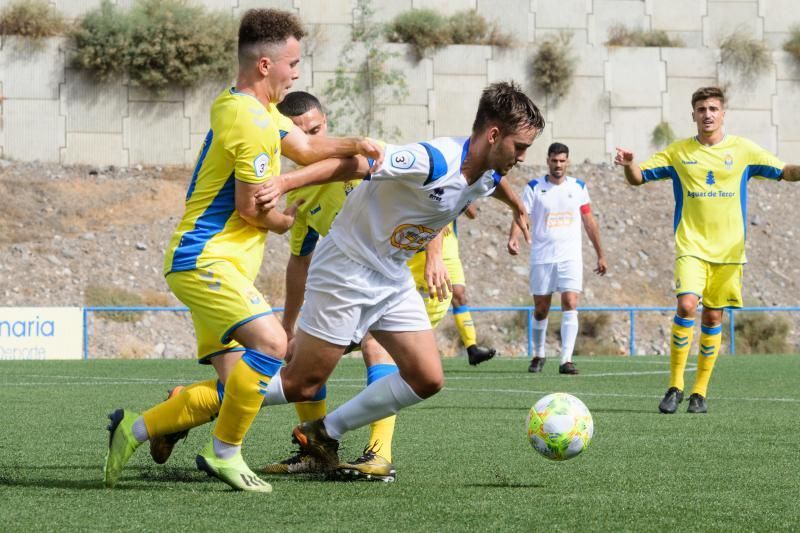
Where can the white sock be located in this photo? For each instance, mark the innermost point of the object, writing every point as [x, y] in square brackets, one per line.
[539, 335]
[223, 450]
[381, 399]
[139, 430]
[274, 392]
[569, 332]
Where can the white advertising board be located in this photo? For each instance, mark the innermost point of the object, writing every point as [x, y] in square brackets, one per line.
[41, 333]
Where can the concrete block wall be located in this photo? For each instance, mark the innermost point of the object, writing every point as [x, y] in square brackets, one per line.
[52, 112]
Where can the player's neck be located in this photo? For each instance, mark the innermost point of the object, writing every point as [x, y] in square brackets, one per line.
[475, 163]
[711, 138]
[554, 180]
[257, 90]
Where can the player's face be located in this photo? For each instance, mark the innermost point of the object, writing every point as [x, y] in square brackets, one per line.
[507, 150]
[284, 69]
[557, 165]
[312, 122]
[709, 115]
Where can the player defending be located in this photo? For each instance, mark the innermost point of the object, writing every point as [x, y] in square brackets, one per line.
[358, 281]
[555, 203]
[709, 174]
[216, 252]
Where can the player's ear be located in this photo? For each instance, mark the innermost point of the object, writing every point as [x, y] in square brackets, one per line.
[264, 64]
[493, 134]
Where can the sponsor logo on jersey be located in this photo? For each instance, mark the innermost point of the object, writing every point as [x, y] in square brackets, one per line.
[710, 194]
[437, 194]
[402, 159]
[412, 237]
[688, 162]
[710, 178]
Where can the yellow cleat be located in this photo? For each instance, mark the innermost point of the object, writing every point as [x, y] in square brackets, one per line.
[369, 467]
[299, 463]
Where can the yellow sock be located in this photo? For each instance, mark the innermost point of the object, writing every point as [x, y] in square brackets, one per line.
[196, 405]
[244, 395]
[710, 341]
[679, 346]
[381, 433]
[465, 325]
[313, 409]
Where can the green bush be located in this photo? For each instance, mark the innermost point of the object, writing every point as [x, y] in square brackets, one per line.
[158, 44]
[747, 56]
[792, 45]
[662, 135]
[426, 29]
[620, 35]
[34, 19]
[104, 296]
[553, 67]
[760, 333]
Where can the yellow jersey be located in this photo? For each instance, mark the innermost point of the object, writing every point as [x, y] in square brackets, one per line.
[710, 187]
[244, 143]
[315, 216]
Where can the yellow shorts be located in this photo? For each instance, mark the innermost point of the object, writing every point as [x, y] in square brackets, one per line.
[436, 310]
[302, 237]
[221, 299]
[719, 285]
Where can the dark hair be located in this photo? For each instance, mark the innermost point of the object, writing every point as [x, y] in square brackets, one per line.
[298, 102]
[557, 148]
[261, 28]
[704, 93]
[503, 104]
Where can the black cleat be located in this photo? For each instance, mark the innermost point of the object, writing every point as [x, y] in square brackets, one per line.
[669, 404]
[568, 368]
[314, 440]
[478, 354]
[537, 364]
[697, 404]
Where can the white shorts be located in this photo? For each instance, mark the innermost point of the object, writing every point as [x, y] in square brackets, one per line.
[563, 276]
[345, 299]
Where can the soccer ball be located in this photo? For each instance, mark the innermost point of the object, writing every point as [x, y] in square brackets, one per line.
[560, 426]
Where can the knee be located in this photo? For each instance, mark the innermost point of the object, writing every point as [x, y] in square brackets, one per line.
[539, 314]
[273, 345]
[686, 309]
[427, 386]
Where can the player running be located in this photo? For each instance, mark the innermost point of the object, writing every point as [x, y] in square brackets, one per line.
[709, 174]
[217, 249]
[358, 281]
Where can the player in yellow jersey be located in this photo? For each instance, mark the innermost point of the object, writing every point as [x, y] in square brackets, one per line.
[709, 174]
[321, 204]
[216, 252]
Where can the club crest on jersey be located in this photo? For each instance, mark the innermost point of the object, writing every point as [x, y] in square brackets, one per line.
[437, 194]
[260, 164]
[728, 161]
[402, 159]
[412, 237]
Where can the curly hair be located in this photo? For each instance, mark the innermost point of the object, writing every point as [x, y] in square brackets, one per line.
[504, 105]
[704, 93]
[263, 28]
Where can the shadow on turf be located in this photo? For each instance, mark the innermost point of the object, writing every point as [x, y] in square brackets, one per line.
[140, 473]
[504, 485]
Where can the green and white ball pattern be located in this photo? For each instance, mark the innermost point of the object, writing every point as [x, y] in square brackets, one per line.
[560, 426]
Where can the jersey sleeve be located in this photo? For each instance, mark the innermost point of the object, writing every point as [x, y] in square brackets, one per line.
[412, 162]
[585, 200]
[763, 164]
[527, 197]
[285, 124]
[658, 167]
[252, 146]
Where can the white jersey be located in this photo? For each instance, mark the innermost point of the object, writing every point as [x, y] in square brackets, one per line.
[417, 191]
[555, 213]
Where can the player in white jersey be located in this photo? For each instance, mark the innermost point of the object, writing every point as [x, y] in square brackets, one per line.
[358, 280]
[557, 204]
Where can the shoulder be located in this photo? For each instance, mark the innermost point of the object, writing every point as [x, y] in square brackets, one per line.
[576, 182]
[444, 155]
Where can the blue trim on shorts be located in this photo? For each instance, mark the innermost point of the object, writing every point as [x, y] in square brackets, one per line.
[683, 322]
[226, 337]
[460, 309]
[376, 372]
[321, 394]
[220, 390]
[262, 363]
[309, 242]
[689, 292]
[206, 359]
[711, 330]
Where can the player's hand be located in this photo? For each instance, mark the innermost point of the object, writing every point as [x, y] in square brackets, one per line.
[269, 194]
[513, 246]
[624, 157]
[471, 212]
[437, 279]
[373, 150]
[602, 266]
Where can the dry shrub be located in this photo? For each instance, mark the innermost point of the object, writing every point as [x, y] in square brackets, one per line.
[792, 45]
[620, 35]
[747, 56]
[105, 296]
[760, 333]
[152, 298]
[34, 19]
[553, 66]
[662, 135]
[131, 347]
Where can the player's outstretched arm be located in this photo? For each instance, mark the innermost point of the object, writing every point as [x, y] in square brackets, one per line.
[306, 149]
[593, 231]
[791, 173]
[266, 219]
[633, 173]
[505, 194]
[436, 276]
[296, 276]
